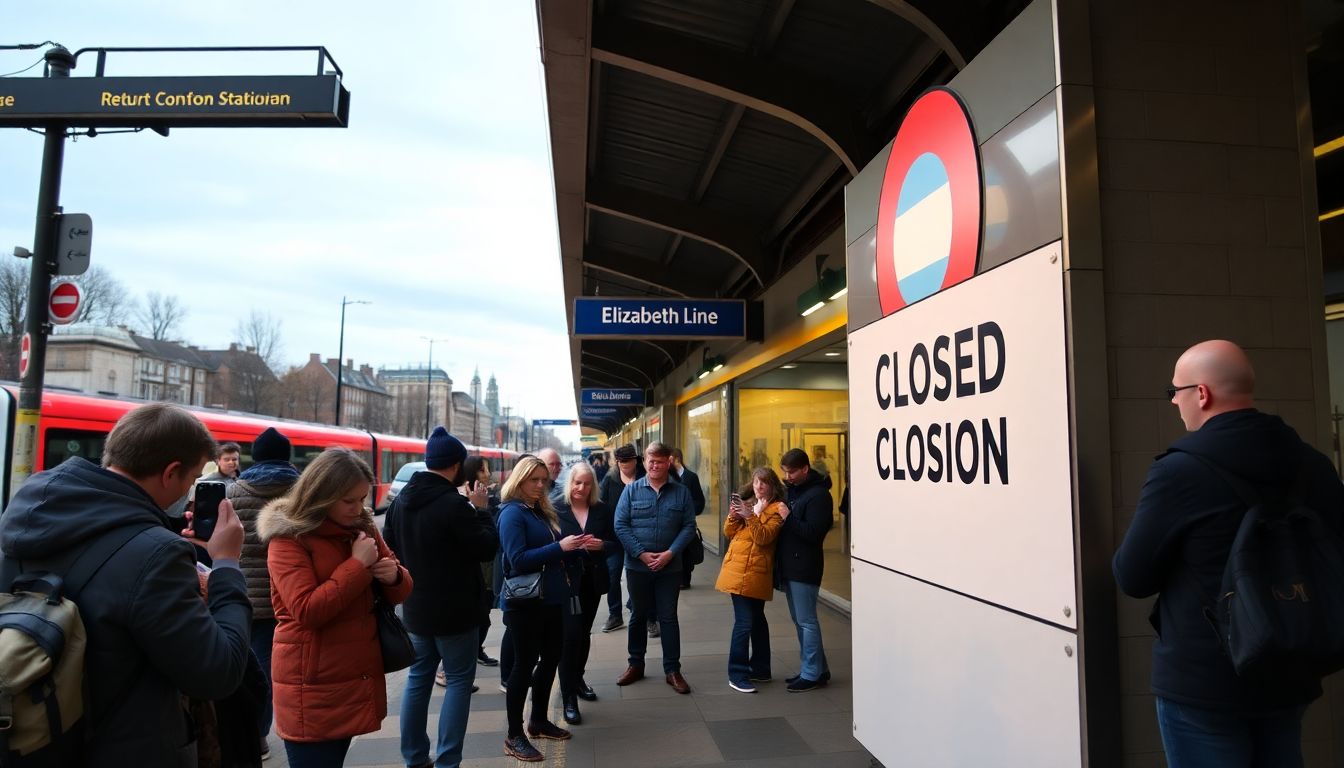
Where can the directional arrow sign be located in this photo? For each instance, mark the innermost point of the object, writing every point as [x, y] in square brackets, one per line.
[74, 242]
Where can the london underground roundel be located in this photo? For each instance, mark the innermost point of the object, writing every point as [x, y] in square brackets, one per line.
[928, 213]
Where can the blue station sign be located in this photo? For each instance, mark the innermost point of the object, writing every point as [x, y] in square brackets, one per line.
[601, 317]
[554, 422]
[611, 397]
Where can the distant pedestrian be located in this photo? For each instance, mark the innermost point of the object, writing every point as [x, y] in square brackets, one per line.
[270, 477]
[326, 559]
[529, 532]
[808, 515]
[655, 521]
[226, 464]
[683, 474]
[1178, 543]
[628, 470]
[751, 529]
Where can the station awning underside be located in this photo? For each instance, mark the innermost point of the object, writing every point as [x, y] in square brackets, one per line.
[701, 147]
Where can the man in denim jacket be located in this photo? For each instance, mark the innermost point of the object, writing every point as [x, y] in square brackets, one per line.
[655, 521]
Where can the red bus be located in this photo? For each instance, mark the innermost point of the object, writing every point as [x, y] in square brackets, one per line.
[74, 424]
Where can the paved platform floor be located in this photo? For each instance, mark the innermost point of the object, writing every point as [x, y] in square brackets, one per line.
[648, 725]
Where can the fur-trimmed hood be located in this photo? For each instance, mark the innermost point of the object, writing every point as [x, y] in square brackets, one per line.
[279, 520]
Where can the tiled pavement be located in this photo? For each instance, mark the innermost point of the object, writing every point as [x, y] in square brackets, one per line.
[648, 725]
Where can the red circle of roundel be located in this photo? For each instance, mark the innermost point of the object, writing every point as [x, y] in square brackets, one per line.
[934, 143]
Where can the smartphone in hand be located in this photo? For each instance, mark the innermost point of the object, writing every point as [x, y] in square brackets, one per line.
[205, 512]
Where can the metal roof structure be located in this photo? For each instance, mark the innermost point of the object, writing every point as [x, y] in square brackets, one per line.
[700, 147]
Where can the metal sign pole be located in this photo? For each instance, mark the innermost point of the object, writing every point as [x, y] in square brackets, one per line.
[36, 325]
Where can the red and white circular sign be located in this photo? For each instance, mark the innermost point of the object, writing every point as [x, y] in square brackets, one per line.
[25, 349]
[64, 304]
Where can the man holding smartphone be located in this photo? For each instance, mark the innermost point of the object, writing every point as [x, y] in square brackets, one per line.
[151, 638]
[655, 521]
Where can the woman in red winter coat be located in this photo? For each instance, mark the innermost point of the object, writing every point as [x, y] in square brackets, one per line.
[326, 558]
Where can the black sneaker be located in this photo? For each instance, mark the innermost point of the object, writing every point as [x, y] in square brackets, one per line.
[802, 684]
[762, 678]
[519, 747]
[547, 730]
[654, 631]
[484, 659]
[614, 622]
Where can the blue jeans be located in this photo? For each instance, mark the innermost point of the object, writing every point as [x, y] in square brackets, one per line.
[615, 564]
[458, 653]
[803, 610]
[749, 651]
[317, 754]
[263, 637]
[658, 591]
[1194, 737]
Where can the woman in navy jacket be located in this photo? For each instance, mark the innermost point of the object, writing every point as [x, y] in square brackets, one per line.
[582, 512]
[530, 537]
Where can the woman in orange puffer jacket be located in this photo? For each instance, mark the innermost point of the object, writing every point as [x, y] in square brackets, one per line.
[748, 576]
[326, 557]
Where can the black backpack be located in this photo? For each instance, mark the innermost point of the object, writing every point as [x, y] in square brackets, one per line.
[1279, 612]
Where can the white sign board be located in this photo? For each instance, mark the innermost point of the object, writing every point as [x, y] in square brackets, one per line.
[944, 680]
[74, 242]
[960, 432]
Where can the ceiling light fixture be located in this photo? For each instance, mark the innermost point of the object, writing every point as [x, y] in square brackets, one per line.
[830, 285]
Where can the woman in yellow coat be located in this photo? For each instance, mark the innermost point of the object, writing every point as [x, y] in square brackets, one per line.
[748, 575]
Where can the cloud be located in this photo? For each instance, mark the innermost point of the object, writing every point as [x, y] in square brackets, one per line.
[436, 204]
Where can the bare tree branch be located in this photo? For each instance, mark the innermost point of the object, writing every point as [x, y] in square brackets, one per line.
[162, 315]
[105, 300]
[262, 332]
[13, 303]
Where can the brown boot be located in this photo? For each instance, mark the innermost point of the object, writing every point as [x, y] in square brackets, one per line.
[630, 675]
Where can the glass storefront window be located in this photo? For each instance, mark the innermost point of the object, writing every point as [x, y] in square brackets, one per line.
[702, 441]
[770, 422]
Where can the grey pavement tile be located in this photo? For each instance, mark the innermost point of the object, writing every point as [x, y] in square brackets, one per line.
[656, 745]
[757, 738]
[828, 732]
[771, 701]
[858, 759]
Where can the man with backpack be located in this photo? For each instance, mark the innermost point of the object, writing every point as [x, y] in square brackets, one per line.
[1190, 513]
[151, 638]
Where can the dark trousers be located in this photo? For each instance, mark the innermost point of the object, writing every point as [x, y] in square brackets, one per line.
[506, 655]
[686, 569]
[263, 638]
[650, 591]
[749, 650]
[538, 634]
[485, 617]
[615, 564]
[317, 754]
[578, 638]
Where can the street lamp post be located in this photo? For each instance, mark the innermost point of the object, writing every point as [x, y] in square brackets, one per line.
[429, 382]
[340, 354]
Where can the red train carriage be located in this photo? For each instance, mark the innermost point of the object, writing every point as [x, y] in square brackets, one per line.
[77, 424]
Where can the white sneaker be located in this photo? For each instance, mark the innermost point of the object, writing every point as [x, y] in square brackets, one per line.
[503, 688]
[742, 687]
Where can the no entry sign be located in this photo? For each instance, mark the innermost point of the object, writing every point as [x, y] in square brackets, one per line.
[25, 351]
[64, 304]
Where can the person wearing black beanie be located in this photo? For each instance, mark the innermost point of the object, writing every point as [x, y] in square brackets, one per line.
[442, 537]
[269, 477]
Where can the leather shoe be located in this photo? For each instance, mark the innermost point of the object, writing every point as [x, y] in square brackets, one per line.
[586, 692]
[572, 715]
[678, 683]
[630, 675]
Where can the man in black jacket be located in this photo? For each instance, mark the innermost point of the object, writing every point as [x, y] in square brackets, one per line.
[151, 638]
[442, 537]
[1178, 544]
[799, 562]
[683, 474]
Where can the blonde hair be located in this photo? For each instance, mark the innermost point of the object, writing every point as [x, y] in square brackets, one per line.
[581, 467]
[513, 488]
[323, 482]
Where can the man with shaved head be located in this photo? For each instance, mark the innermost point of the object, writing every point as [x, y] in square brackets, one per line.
[1178, 544]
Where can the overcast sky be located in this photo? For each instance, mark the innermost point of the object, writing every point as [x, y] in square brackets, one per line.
[436, 204]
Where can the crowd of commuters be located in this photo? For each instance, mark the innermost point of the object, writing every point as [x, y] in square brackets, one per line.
[278, 605]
